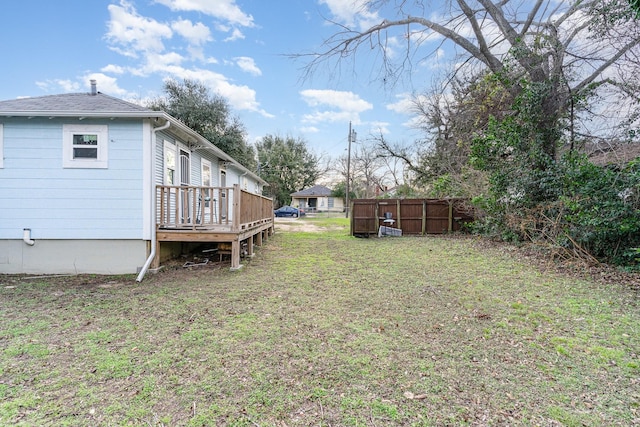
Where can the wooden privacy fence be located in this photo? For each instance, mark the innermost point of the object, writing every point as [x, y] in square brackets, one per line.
[412, 216]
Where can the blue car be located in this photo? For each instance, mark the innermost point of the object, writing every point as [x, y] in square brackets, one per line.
[288, 211]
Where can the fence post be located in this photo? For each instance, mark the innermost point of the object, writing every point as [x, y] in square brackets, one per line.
[450, 216]
[351, 221]
[424, 217]
[399, 216]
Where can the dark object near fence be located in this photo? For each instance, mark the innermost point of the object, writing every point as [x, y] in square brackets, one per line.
[412, 216]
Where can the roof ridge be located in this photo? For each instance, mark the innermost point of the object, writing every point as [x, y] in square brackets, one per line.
[72, 102]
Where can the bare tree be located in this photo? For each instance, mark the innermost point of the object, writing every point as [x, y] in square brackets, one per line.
[369, 172]
[564, 51]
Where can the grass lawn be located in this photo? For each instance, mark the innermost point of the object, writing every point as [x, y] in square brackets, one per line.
[322, 329]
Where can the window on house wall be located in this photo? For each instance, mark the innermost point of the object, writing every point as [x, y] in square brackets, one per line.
[85, 146]
[223, 194]
[169, 163]
[185, 167]
[1, 146]
[206, 173]
[206, 180]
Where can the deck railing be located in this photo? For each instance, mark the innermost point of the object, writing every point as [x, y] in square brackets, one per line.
[198, 207]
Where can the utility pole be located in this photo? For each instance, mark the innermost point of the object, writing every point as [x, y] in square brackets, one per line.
[351, 138]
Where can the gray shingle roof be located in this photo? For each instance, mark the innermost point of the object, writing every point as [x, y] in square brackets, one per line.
[316, 190]
[83, 103]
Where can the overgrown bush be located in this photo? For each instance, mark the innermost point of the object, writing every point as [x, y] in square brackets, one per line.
[571, 205]
[591, 211]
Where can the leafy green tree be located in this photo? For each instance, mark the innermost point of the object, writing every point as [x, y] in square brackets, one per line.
[340, 191]
[209, 115]
[287, 165]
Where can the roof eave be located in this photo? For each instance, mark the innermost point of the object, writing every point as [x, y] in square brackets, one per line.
[92, 114]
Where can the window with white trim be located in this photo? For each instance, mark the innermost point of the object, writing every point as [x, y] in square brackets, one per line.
[169, 163]
[85, 146]
[206, 180]
[1, 146]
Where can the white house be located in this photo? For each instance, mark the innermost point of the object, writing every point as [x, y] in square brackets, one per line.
[94, 184]
[317, 199]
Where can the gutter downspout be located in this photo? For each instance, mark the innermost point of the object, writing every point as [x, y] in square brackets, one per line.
[26, 237]
[240, 179]
[152, 255]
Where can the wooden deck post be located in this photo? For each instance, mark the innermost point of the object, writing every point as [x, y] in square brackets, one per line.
[236, 207]
[259, 238]
[250, 252]
[235, 255]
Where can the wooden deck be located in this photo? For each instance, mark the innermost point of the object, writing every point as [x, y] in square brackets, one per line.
[228, 216]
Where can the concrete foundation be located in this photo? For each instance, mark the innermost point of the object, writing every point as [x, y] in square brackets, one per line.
[72, 256]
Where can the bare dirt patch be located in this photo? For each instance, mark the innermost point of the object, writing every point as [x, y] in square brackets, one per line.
[298, 225]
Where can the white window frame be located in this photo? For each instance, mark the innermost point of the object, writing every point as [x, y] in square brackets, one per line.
[101, 161]
[206, 164]
[1, 146]
[172, 149]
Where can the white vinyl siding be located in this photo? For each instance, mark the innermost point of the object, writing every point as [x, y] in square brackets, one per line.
[1, 146]
[36, 192]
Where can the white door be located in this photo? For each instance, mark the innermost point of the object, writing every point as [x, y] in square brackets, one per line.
[184, 173]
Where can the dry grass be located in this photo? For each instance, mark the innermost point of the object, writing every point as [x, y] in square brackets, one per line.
[321, 329]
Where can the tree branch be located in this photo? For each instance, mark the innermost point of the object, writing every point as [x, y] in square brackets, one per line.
[606, 64]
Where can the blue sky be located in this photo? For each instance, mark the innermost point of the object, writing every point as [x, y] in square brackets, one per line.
[238, 48]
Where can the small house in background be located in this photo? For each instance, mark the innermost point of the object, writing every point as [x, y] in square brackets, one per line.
[94, 184]
[317, 199]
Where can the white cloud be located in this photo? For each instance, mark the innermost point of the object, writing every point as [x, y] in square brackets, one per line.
[130, 33]
[351, 12]
[196, 34]
[236, 34]
[377, 128]
[335, 106]
[141, 37]
[113, 69]
[330, 117]
[226, 10]
[57, 85]
[158, 63]
[344, 100]
[240, 97]
[106, 84]
[248, 65]
[309, 129]
[404, 104]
